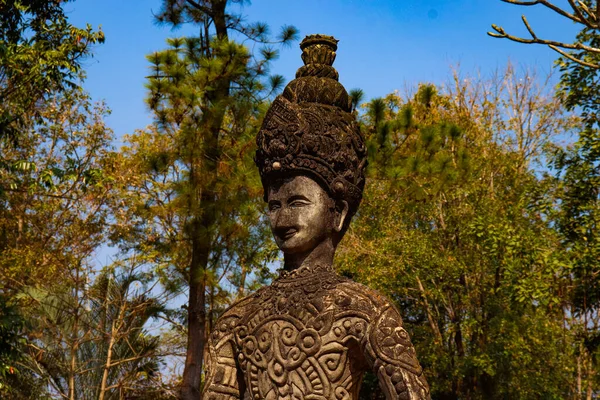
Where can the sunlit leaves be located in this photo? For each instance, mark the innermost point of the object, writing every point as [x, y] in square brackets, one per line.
[40, 54]
[449, 228]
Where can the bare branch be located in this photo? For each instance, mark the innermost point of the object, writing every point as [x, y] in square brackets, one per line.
[580, 14]
[531, 32]
[585, 8]
[554, 45]
[549, 5]
[575, 59]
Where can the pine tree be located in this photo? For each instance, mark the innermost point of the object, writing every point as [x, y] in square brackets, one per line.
[206, 93]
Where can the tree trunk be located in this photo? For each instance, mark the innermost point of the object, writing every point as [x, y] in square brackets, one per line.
[241, 288]
[202, 180]
[109, 351]
[115, 327]
[579, 374]
[196, 314]
[73, 365]
[210, 319]
[590, 376]
[74, 336]
[432, 322]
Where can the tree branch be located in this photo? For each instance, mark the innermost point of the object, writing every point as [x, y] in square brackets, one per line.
[206, 10]
[587, 10]
[574, 59]
[57, 196]
[549, 5]
[578, 12]
[554, 45]
[531, 32]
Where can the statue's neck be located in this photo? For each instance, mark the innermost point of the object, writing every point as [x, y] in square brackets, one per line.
[321, 255]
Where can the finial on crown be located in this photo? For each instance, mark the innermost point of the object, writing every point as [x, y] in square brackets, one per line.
[318, 49]
[318, 55]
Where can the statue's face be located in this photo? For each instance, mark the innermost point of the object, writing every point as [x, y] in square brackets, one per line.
[301, 214]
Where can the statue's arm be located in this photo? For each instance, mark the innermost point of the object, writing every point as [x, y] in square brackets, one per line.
[224, 380]
[391, 355]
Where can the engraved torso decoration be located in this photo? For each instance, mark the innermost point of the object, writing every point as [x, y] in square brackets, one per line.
[312, 334]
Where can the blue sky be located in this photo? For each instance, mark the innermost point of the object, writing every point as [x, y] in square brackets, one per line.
[384, 44]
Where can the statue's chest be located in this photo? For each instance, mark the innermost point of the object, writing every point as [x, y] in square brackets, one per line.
[301, 343]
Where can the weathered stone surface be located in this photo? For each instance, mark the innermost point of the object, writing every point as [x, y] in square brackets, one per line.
[311, 334]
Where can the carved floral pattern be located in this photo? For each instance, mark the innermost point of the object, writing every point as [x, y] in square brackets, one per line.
[311, 335]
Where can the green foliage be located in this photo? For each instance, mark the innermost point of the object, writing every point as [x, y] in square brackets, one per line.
[89, 340]
[194, 207]
[465, 250]
[576, 195]
[40, 55]
[164, 157]
[578, 173]
[579, 83]
[55, 214]
[11, 340]
[577, 217]
[53, 208]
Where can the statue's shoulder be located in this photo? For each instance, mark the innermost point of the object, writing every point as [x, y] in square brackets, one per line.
[363, 298]
[235, 312]
[362, 291]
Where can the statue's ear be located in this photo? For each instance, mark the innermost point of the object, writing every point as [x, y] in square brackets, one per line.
[341, 212]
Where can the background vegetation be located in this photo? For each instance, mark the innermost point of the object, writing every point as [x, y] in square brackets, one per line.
[477, 219]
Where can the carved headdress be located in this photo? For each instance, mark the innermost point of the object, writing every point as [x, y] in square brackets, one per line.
[310, 129]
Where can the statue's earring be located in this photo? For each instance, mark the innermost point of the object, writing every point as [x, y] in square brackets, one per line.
[341, 211]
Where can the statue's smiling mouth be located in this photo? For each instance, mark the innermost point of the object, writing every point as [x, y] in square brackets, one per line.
[288, 233]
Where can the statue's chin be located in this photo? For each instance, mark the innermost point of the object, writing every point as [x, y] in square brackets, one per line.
[295, 245]
[288, 248]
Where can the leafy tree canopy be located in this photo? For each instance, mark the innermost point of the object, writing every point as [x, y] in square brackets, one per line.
[40, 55]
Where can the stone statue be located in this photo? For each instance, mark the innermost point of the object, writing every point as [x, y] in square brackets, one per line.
[311, 334]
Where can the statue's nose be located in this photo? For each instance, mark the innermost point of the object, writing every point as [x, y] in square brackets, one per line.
[284, 219]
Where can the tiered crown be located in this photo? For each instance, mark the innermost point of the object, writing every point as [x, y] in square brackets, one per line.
[310, 130]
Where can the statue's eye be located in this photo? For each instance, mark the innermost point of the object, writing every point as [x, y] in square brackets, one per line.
[274, 206]
[298, 203]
